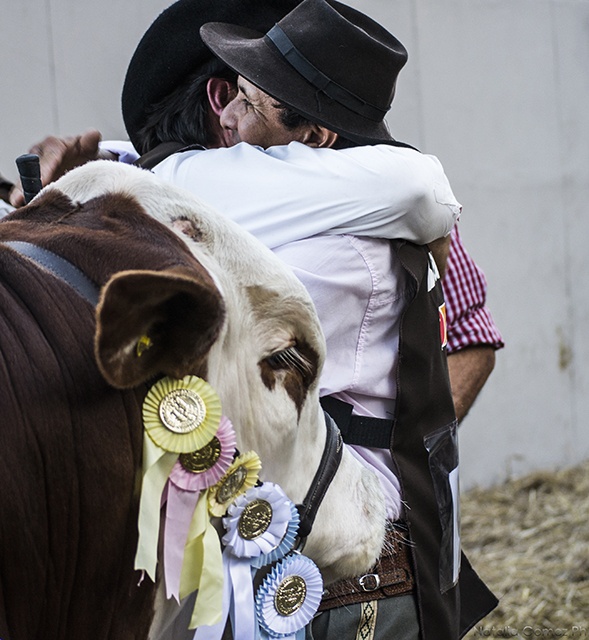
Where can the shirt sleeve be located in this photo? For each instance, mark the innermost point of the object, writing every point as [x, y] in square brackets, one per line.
[287, 193]
[123, 149]
[465, 290]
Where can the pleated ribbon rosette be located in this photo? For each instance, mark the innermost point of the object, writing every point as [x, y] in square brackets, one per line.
[179, 417]
[288, 598]
[261, 527]
[242, 475]
[189, 466]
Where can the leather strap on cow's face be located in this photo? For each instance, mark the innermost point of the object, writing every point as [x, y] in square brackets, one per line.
[58, 267]
[329, 464]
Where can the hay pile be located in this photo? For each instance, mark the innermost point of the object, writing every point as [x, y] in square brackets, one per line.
[529, 541]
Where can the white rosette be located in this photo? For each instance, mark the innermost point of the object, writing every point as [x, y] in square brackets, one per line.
[289, 597]
[278, 535]
[261, 526]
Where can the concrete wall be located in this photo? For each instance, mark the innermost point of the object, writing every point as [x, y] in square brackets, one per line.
[498, 89]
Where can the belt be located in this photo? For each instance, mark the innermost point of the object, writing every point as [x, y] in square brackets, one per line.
[392, 575]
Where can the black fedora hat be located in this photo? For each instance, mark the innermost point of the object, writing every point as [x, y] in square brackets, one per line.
[329, 62]
[172, 48]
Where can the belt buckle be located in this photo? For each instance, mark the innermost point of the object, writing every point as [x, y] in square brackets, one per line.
[369, 582]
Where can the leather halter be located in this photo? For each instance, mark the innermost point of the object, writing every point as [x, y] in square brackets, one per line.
[328, 466]
[59, 267]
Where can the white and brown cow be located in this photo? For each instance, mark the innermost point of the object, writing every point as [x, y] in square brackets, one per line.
[226, 310]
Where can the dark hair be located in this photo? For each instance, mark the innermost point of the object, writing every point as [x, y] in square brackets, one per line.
[291, 119]
[183, 115]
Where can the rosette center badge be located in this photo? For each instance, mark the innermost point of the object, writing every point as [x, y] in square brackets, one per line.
[232, 485]
[290, 595]
[202, 459]
[181, 416]
[255, 519]
[182, 410]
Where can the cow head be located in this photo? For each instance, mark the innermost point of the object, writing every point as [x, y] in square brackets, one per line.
[241, 320]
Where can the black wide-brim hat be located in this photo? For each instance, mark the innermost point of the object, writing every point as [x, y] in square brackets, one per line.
[329, 62]
[172, 49]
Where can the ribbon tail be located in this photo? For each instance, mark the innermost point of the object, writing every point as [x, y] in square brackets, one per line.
[208, 609]
[157, 465]
[193, 552]
[179, 511]
[215, 632]
[243, 615]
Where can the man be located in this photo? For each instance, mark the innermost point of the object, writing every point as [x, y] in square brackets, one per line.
[338, 121]
[305, 76]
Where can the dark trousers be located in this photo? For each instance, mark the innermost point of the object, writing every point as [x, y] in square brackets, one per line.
[393, 618]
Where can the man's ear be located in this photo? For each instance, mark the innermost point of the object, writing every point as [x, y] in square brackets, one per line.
[220, 93]
[318, 136]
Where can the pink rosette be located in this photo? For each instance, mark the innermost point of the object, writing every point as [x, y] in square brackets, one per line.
[222, 447]
[289, 597]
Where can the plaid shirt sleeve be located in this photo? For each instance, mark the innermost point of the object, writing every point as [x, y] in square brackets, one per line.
[465, 291]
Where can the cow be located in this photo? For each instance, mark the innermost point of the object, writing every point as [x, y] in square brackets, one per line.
[215, 303]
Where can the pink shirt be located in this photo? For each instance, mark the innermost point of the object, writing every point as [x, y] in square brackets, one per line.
[360, 291]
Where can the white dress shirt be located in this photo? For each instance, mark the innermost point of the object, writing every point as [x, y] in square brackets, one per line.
[291, 192]
[309, 206]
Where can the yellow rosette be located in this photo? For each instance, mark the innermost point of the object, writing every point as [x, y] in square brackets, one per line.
[241, 476]
[179, 416]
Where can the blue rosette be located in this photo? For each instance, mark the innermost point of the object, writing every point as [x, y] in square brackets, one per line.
[261, 525]
[288, 598]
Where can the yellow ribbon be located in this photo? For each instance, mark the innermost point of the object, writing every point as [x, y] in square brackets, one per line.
[202, 568]
[157, 465]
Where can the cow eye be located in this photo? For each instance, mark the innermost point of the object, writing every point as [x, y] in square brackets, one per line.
[290, 358]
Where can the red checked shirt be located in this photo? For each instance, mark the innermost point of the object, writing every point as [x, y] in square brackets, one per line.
[465, 290]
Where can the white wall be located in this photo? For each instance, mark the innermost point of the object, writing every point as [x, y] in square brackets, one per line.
[498, 89]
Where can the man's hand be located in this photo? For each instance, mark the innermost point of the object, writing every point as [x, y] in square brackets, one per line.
[59, 155]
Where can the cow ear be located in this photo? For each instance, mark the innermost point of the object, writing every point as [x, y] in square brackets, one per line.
[150, 323]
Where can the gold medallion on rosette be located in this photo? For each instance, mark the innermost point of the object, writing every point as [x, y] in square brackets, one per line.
[242, 475]
[181, 416]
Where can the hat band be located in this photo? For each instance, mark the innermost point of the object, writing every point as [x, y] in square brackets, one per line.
[320, 81]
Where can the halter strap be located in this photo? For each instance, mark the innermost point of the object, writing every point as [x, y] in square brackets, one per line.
[330, 461]
[59, 267]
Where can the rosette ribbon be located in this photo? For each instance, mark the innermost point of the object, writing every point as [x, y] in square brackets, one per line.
[261, 528]
[288, 598]
[191, 544]
[179, 416]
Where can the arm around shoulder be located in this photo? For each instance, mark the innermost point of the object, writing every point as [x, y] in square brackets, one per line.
[409, 194]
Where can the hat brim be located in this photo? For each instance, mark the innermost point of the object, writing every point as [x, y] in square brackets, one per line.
[254, 57]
